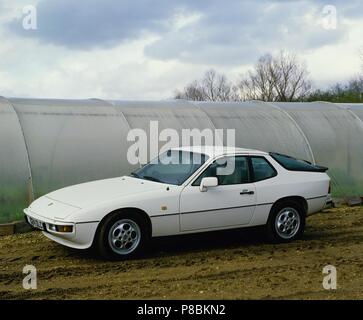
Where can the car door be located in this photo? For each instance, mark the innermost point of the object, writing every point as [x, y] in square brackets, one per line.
[267, 186]
[231, 203]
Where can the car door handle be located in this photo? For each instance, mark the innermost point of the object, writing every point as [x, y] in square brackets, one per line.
[247, 192]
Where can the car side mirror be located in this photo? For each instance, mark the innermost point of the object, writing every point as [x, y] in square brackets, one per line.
[208, 182]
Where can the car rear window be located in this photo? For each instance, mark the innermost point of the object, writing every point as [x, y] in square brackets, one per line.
[293, 164]
[262, 170]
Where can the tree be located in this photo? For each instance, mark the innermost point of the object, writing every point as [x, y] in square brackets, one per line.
[212, 87]
[281, 78]
[192, 92]
[341, 93]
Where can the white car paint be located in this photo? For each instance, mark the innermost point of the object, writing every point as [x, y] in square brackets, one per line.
[176, 209]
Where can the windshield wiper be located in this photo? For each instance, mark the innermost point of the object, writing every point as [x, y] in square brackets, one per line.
[152, 178]
[133, 174]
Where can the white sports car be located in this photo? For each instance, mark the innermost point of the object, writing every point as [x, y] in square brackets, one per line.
[185, 190]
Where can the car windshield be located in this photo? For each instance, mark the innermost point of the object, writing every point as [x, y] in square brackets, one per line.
[171, 167]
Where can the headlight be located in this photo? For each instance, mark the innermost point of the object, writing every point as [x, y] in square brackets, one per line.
[58, 228]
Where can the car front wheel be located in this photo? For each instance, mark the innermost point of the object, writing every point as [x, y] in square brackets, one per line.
[286, 222]
[121, 236]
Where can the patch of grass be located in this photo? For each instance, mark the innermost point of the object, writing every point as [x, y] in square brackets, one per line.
[12, 203]
[344, 184]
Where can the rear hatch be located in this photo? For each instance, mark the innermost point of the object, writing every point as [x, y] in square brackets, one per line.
[293, 164]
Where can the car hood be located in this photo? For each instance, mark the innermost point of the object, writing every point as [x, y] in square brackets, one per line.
[91, 193]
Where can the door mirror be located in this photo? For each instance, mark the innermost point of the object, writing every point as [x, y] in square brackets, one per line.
[208, 182]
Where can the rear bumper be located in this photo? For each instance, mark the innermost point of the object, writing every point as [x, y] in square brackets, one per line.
[81, 237]
[317, 204]
[329, 201]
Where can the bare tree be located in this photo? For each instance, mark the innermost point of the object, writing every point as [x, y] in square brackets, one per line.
[212, 87]
[281, 78]
[193, 91]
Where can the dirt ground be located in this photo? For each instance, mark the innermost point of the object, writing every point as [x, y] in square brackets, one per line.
[221, 265]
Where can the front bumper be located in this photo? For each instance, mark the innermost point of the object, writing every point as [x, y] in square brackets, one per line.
[81, 236]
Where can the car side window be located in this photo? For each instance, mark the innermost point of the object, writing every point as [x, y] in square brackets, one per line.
[262, 169]
[238, 175]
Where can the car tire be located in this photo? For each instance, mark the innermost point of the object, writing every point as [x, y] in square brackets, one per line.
[286, 222]
[121, 236]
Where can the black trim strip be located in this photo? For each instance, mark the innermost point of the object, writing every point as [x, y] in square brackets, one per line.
[217, 209]
[165, 215]
[317, 197]
[86, 222]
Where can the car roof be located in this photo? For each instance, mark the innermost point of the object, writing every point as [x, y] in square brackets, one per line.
[215, 151]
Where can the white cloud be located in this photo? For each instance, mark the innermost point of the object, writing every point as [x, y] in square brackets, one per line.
[339, 62]
[189, 40]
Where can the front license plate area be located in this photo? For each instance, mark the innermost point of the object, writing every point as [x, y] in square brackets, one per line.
[36, 223]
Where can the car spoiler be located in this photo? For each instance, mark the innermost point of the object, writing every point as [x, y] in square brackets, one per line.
[312, 168]
[319, 168]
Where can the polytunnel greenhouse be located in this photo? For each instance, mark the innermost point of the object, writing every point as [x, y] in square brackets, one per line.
[49, 144]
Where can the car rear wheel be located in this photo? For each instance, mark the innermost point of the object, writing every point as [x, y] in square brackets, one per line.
[286, 222]
[121, 236]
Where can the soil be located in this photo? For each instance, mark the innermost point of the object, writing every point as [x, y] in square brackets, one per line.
[236, 264]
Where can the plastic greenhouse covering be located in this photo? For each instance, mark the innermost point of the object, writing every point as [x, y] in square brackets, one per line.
[49, 144]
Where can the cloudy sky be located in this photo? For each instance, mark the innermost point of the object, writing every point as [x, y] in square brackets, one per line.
[145, 49]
